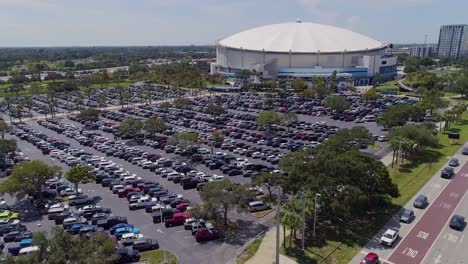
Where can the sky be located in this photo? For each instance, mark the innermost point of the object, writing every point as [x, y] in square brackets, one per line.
[199, 22]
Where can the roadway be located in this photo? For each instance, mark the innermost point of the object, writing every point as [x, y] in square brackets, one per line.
[428, 239]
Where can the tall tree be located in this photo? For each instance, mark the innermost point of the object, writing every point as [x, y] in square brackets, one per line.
[80, 174]
[3, 128]
[338, 103]
[29, 178]
[224, 196]
[154, 125]
[289, 118]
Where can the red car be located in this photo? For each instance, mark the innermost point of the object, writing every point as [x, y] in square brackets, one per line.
[206, 234]
[177, 219]
[371, 258]
[126, 190]
[182, 207]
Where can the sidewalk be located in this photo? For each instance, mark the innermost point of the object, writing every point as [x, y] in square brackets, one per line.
[266, 251]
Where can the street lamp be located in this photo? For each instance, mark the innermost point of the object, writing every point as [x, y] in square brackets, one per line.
[315, 211]
[303, 220]
[278, 217]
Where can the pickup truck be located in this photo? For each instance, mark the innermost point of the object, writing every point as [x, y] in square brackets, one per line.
[176, 219]
[389, 237]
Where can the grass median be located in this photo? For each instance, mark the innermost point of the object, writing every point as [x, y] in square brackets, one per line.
[340, 243]
[159, 257]
[250, 250]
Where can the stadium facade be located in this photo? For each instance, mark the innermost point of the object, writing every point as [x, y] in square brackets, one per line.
[304, 50]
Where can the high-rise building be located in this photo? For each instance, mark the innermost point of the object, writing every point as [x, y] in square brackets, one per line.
[453, 41]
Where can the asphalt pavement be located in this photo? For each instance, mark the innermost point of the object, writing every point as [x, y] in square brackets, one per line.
[428, 239]
[175, 239]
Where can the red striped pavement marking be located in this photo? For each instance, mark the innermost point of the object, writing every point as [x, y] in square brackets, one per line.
[414, 247]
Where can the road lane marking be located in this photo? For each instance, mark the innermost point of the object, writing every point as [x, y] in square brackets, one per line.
[452, 238]
[185, 237]
[422, 216]
[461, 239]
[448, 220]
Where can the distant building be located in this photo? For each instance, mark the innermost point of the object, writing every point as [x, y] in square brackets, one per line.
[422, 51]
[453, 41]
[398, 51]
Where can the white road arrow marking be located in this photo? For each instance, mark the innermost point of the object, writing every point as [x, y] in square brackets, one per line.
[438, 259]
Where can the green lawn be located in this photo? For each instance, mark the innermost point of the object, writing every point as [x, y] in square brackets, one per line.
[388, 86]
[250, 250]
[340, 243]
[159, 257]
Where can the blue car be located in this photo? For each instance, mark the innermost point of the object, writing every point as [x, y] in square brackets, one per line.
[26, 242]
[117, 226]
[75, 228]
[125, 230]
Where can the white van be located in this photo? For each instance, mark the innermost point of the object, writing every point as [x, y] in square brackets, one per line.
[258, 206]
[28, 250]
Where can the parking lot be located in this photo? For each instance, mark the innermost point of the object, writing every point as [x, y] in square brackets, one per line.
[247, 150]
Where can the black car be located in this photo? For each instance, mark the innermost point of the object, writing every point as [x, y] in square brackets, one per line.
[465, 151]
[127, 255]
[421, 202]
[457, 222]
[407, 216]
[11, 236]
[145, 244]
[111, 221]
[82, 201]
[447, 172]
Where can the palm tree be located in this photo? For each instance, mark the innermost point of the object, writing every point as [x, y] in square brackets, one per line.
[28, 102]
[9, 102]
[395, 145]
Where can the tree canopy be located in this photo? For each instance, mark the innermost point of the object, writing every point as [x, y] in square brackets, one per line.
[80, 174]
[220, 197]
[130, 126]
[338, 103]
[28, 178]
[154, 125]
[268, 118]
[89, 114]
[214, 109]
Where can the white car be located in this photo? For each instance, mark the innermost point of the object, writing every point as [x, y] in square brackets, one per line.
[69, 191]
[389, 237]
[216, 177]
[131, 236]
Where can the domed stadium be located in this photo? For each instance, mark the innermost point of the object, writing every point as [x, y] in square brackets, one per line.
[304, 50]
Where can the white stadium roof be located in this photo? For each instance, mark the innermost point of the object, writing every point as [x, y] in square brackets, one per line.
[301, 37]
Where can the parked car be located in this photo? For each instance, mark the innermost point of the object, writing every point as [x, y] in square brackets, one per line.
[256, 206]
[454, 162]
[370, 258]
[389, 237]
[206, 234]
[447, 172]
[457, 222]
[421, 202]
[407, 216]
[145, 244]
[177, 219]
[127, 255]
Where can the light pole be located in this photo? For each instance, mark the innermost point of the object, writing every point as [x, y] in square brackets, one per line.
[315, 211]
[303, 220]
[278, 208]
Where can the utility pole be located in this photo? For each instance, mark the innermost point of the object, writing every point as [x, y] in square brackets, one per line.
[315, 211]
[278, 208]
[303, 220]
